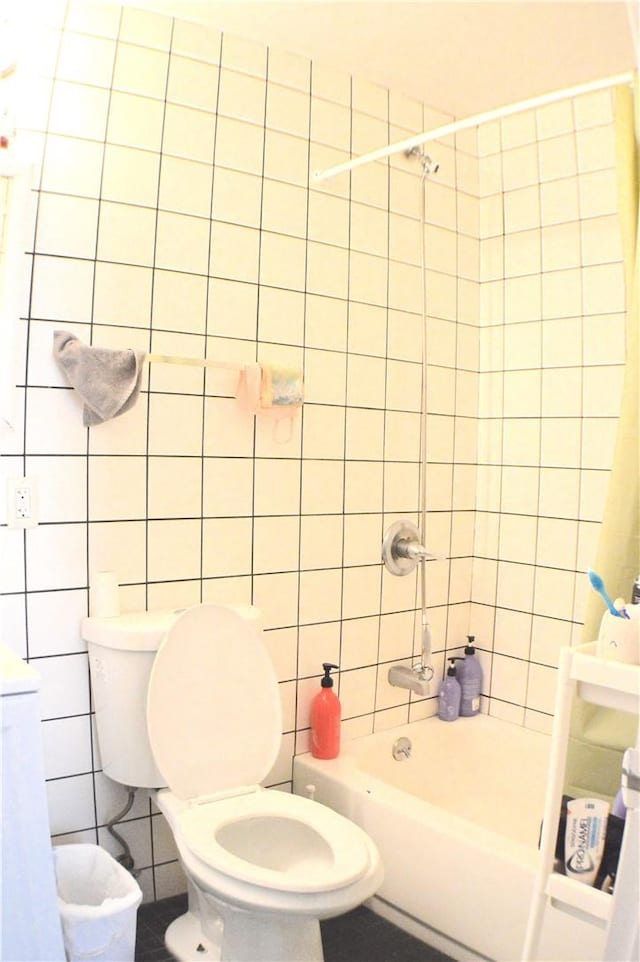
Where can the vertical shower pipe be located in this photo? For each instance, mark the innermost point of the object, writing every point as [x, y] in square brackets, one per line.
[425, 629]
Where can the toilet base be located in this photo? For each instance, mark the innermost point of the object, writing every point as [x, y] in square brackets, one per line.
[184, 939]
[248, 937]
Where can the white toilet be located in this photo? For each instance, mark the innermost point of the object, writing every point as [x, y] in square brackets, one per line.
[189, 700]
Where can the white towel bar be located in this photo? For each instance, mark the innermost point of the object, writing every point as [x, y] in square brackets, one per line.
[192, 361]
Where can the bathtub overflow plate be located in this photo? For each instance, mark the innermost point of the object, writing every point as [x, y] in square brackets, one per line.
[401, 749]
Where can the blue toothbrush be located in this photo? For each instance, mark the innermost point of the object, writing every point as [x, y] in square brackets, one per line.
[598, 585]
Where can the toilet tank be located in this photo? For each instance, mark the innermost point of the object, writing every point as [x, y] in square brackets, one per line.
[121, 653]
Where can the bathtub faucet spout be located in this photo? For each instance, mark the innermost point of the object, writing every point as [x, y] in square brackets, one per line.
[416, 679]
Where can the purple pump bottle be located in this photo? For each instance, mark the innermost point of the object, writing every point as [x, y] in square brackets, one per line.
[449, 695]
[470, 674]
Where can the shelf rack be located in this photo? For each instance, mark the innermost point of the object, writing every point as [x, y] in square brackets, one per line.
[615, 685]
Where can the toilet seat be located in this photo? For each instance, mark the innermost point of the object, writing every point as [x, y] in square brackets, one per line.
[276, 841]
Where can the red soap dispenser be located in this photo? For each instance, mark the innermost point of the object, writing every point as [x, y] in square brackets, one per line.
[325, 718]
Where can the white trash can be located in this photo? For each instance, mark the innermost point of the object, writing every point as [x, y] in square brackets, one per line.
[98, 902]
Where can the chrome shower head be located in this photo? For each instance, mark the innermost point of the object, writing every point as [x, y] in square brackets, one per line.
[429, 166]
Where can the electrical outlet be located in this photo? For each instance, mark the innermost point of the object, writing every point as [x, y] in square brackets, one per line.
[22, 503]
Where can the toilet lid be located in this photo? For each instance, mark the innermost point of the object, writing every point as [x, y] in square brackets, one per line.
[213, 707]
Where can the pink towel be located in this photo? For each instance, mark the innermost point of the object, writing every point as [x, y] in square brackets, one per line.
[273, 391]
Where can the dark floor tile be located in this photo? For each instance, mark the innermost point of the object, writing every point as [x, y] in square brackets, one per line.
[153, 920]
[154, 955]
[363, 936]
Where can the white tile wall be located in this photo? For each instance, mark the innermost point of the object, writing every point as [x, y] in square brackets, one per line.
[174, 215]
[549, 386]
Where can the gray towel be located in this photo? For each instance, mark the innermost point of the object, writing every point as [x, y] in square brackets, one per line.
[107, 381]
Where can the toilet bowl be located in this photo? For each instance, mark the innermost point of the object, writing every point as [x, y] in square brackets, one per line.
[263, 866]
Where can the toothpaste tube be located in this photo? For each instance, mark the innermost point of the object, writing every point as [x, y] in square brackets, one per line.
[585, 837]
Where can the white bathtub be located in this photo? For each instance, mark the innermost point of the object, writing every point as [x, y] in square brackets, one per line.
[457, 826]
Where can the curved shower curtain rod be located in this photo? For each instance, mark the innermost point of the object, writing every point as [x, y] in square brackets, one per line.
[452, 128]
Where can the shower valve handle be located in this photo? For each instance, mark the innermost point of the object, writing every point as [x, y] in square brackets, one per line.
[414, 551]
[402, 549]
